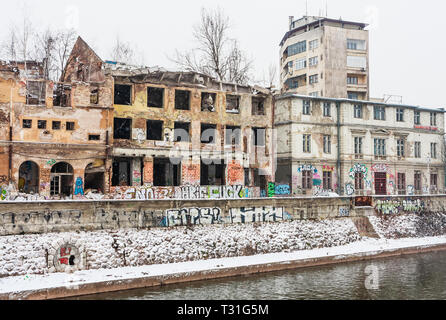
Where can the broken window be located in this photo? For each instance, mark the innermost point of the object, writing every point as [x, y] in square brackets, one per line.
[212, 174]
[182, 132]
[70, 126]
[62, 95]
[122, 128]
[61, 179]
[94, 177]
[27, 124]
[94, 137]
[182, 100]
[155, 97]
[154, 130]
[208, 133]
[258, 108]
[56, 125]
[232, 104]
[35, 92]
[94, 95]
[208, 101]
[123, 94]
[166, 173]
[41, 124]
[259, 135]
[232, 135]
[121, 172]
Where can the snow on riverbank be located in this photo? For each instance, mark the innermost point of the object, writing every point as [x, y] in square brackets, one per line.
[360, 248]
[26, 254]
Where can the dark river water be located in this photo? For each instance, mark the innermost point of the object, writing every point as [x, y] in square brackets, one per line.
[421, 276]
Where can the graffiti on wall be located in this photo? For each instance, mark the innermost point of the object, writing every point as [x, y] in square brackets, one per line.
[79, 187]
[327, 168]
[349, 189]
[185, 192]
[317, 179]
[358, 168]
[318, 191]
[51, 162]
[380, 167]
[410, 190]
[282, 189]
[3, 193]
[393, 207]
[261, 214]
[344, 212]
[3, 179]
[192, 216]
[271, 189]
[66, 256]
[306, 167]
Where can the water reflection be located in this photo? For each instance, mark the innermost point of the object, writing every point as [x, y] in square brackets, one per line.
[421, 276]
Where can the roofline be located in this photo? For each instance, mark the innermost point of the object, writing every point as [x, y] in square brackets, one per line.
[299, 96]
[285, 37]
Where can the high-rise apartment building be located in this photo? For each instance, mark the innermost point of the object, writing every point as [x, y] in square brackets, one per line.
[324, 57]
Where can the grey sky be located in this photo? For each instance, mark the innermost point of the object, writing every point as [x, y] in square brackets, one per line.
[406, 37]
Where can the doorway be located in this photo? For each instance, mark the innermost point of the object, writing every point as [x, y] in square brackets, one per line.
[380, 183]
[29, 177]
[61, 179]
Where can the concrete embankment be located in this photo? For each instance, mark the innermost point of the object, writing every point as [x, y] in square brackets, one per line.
[88, 282]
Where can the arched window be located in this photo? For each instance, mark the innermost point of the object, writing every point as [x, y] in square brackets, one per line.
[62, 179]
[29, 177]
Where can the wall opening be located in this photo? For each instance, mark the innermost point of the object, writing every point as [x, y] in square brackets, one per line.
[94, 177]
[155, 97]
[154, 130]
[62, 95]
[182, 132]
[35, 92]
[94, 95]
[233, 135]
[182, 100]
[208, 101]
[258, 106]
[122, 128]
[166, 173]
[29, 177]
[208, 133]
[232, 103]
[121, 172]
[123, 94]
[61, 179]
[212, 173]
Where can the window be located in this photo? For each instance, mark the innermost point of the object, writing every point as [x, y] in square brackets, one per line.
[314, 44]
[352, 80]
[122, 128]
[353, 44]
[379, 113]
[400, 115]
[359, 181]
[155, 130]
[208, 132]
[232, 135]
[306, 180]
[41, 124]
[182, 100]
[306, 110]
[292, 83]
[94, 137]
[258, 106]
[208, 101]
[433, 150]
[356, 62]
[94, 95]
[401, 183]
[290, 65]
[123, 94]
[181, 132]
[155, 97]
[400, 147]
[314, 94]
[358, 111]
[300, 64]
[307, 143]
[313, 61]
[358, 147]
[69, 126]
[327, 109]
[56, 125]
[327, 144]
[259, 136]
[417, 117]
[434, 181]
[417, 181]
[380, 147]
[326, 180]
[314, 79]
[297, 48]
[35, 92]
[232, 103]
[417, 149]
[352, 95]
[27, 124]
[433, 119]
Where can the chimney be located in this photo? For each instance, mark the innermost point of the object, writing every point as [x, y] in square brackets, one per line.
[291, 22]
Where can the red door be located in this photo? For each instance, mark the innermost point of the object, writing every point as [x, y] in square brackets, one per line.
[380, 183]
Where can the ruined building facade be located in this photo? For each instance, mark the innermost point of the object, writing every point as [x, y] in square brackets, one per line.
[325, 57]
[365, 148]
[115, 129]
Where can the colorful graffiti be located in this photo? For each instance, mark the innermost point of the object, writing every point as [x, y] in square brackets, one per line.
[327, 168]
[358, 168]
[344, 212]
[283, 189]
[307, 167]
[316, 179]
[410, 190]
[318, 191]
[271, 189]
[3, 193]
[3, 179]
[66, 256]
[389, 207]
[51, 162]
[349, 189]
[380, 167]
[79, 187]
[363, 201]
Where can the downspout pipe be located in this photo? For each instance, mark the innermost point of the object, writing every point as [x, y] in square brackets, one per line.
[338, 160]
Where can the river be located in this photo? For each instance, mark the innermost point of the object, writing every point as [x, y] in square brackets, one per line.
[421, 276]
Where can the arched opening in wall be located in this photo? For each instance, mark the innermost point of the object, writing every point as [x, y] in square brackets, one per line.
[29, 177]
[62, 179]
[94, 177]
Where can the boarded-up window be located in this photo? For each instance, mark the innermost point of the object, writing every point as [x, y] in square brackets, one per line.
[35, 92]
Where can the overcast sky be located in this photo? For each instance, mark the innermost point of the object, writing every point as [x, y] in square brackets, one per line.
[407, 41]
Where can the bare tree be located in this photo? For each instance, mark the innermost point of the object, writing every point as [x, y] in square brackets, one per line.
[216, 54]
[45, 50]
[272, 75]
[64, 43]
[123, 52]
[9, 46]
